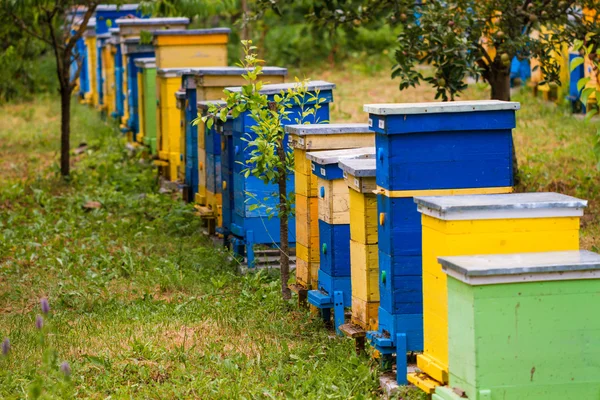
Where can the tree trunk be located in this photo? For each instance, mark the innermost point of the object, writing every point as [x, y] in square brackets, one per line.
[65, 130]
[284, 248]
[245, 29]
[500, 84]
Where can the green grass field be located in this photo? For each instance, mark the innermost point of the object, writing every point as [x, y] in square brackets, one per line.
[142, 305]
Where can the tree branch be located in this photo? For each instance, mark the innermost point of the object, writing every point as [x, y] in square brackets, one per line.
[23, 26]
[92, 5]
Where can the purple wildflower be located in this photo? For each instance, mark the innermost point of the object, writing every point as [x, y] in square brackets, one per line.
[65, 368]
[45, 305]
[6, 346]
[39, 322]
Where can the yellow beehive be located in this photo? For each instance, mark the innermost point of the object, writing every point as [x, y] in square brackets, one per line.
[181, 104]
[191, 48]
[91, 97]
[108, 77]
[482, 224]
[364, 260]
[168, 82]
[305, 138]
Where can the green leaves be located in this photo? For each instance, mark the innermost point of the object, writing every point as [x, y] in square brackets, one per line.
[576, 62]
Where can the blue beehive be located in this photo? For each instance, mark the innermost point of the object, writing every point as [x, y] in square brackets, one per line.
[227, 184]
[252, 225]
[134, 50]
[119, 95]
[101, 39]
[334, 288]
[574, 77]
[428, 149]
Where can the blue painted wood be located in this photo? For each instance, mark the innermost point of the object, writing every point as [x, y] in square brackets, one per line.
[400, 284]
[84, 77]
[390, 325]
[191, 143]
[330, 284]
[100, 42]
[329, 172]
[119, 95]
[227, 160]
[213, 173]
[400, 233]
[444, 160]
[401, 361]
[339, 317]
[265, 229]
[574, 78]
[132, 91]
[104, 14]
[213, 137]
[335, 249]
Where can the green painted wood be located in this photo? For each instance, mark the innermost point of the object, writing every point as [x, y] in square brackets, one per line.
[534, 340]
[149, 82]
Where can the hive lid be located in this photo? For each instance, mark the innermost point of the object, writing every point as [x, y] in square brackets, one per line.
[311, 86]
[149, 62]
[134, 40]
[180, 94]
[522, 267]
[326, 129]
[114, 7]
[501, 206]
[205, 103]
[440, 107]
[103, 35]
[91, 23]
[360, 168]
[191, 32]
[151, 21]
[334, 156]
[236, 71]
[172, 72]
[113, 31]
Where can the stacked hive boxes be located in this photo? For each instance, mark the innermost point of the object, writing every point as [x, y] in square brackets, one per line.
[364, 269]
[204, 84]
[147, 103]
[333, 287]
[430, 148]
[482, 224]
[134, 48]
[252, 197]
[177, 50]
[91, 96]
[520, 327]
[305, 138]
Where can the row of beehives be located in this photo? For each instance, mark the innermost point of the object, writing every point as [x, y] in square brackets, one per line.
[376, 206]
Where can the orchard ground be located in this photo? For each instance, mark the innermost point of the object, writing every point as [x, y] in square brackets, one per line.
[141, 303]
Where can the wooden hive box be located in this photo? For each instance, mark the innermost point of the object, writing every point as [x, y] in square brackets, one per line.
[482, 224]
[133, 27]
[168, 82]
[181, 106]
[251, 225]
[107, 14]
[191, 48]
[147, 102]
[359, 175]
[520, 328]
[133, 50]
[317, 137]
[207, 84]
[91, 97]
[427, 149]
[101, 39]
[117, 86]
[333, 287]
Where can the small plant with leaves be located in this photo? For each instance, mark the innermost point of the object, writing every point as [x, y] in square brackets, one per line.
[588, 91]
[270, 157]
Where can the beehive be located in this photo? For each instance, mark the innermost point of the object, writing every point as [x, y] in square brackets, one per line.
[305, 138]
[427, 149]
[359, 175]
[482, 224]
[210, 148]
[204, 84]
[91, 95]
[132, 51]
[147, 103]
[249, 224]
[108, 76]
[107, 14]
[181, 106]
[133, 27]
[520, 328]
[167, 120]
[333, 288]
[100, 66]
[119, 95]
[191, 48]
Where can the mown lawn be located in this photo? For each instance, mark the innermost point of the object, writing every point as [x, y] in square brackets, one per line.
[142, 305]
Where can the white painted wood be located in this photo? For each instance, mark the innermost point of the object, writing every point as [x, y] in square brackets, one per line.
[278, 87]
[441, 107]
[334, 156]
[327, 129]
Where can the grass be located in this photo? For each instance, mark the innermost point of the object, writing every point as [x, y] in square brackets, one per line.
[143, 306]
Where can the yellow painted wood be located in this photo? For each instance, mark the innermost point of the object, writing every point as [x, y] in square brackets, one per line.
[307, 273]
[141, 105]
[108, 74]
[92, 95]
[334, 206]
[306, 185]
[363, 185]
[333, 142]
[181, 167]
[364, 314]
[310, 253]
[215, 202]
[471, 237]
[193, 55]
[364, 260]
[363, 217]
[307, 225]
[187, 40]
[168, 120]
[302, 165]
[210, 87]
[443, 192]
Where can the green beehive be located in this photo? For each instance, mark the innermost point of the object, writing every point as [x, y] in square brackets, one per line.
[147, 102]
[523, 326]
